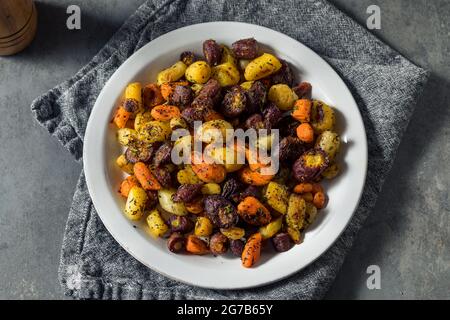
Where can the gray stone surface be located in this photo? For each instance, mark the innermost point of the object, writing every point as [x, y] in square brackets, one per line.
[407, 235]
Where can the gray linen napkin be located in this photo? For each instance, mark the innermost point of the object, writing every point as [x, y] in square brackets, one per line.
[384, 84]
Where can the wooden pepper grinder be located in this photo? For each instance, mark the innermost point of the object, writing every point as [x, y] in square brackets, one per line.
[18, 22]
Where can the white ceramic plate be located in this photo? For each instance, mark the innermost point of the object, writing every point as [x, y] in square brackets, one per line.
[103, 177]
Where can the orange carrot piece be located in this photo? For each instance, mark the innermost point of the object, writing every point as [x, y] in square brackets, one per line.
[195, 245]
[207, 172]
[305, 132]
[121, 117]
[302, 110]
[166, 90]
[319, 200]
[254, 161]
[303, 188]
[253, 211]
[127, 184]
[145, 177]
[165, 112]
[252, 250]
[254, 178]
[210, 172]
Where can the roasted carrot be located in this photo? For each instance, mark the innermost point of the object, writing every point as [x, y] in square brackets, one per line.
[165, 112]
[254, 161]
[253, 211]
[302, 110]
[196, 246]
[255, 178]
[252, 250]
[121, 117]
[208, 172]
[152, 96]
[253, 174]
[166, 90]
[305, 132]
[145, 177]
[303, 187]
[319, 200]
[127, 184]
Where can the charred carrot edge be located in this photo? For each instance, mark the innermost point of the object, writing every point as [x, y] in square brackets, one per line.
[302, 110]
[252, 250]
[145, 177]
[305, 132]
[127, 184]
[195, 245]
[121, 117]
[165, 112]
[152, 96]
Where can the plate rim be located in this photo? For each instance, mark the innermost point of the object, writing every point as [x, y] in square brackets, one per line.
[91, 188]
